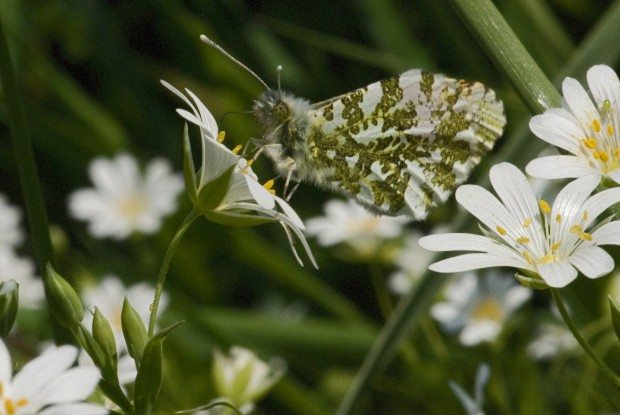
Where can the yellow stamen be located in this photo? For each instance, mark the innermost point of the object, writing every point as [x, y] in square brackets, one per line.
[221, 136]
[596, 126]
[576, 229]
[528, 257]
[22, 402]
[523, 240]
[585, 236]
[590, 142]
[617, 152]
[250, 162]
[237, 149]
[558, 218]
[527, 222]
[544, 206]
[269, 184]
[547, 259]
[272, 191]
[596, 155]
[10, 407]
[603, 155]
[556, 246]
[610, 129]
[500, 230]
[585, 215]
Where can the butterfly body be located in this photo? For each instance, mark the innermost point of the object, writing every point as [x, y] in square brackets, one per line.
[397, 146]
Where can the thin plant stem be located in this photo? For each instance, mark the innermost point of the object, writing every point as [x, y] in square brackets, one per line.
[165, 265]
[557, 298]
[24, 159]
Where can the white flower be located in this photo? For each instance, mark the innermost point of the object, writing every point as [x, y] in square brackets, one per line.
[412, 262]
[551, 339]
[124, 200]
[11, 234]
[108, 297]
[477, 307]
[543, 241]
[48, 385]
[588, 129]
[243, 378]
[246, 200]
[21, 270]
[348, 222]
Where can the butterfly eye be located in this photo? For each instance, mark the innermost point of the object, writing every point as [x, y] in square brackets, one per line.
[281, 111]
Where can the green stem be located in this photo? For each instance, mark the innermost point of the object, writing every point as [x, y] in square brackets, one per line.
[494, 33]
[165, 265]
[582, 342]
[24, 159]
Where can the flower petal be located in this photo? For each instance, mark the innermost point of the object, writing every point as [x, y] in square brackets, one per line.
[468, 262]
[604, 84]
[259, 193]
[6, 367]
[288, 211]
[484, 206]
[71, 386]
[608, 234]
[579, 102]
[460, 242]
[592, 261]
[557, 274]
[558, 129]
[479, 331]
[600, 202]
[44, 369]
[559, 167]
[75, 409]
[614, 175]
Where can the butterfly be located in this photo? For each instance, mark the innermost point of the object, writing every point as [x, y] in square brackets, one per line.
[397, 146]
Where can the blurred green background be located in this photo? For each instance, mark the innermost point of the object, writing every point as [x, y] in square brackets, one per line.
[89, 72]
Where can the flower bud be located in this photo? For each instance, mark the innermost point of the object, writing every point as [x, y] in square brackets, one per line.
[104, 336]
[64, 302]
[134, 331]
[9, 299]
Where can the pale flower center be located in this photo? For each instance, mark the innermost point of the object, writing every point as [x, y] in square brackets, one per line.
[133, 206]
[601, 145]
[11, 406]
[488, 309]
[366, 225]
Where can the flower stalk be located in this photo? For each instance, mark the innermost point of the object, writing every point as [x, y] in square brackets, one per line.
[557, 298]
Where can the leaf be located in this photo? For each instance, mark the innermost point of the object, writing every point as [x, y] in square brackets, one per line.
[615, 315]
[150, 373]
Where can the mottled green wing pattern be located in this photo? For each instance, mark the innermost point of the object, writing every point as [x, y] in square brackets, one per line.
[402, 144]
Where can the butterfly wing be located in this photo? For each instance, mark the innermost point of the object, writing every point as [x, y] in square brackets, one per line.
[401, 145]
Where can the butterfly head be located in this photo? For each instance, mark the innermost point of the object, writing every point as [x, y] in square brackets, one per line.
[271, 110]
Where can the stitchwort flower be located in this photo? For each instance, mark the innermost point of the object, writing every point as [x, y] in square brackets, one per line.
[124, 200]
[543, 241]
[225, 188]
[586, 127]
[477, 307]
[48, 385]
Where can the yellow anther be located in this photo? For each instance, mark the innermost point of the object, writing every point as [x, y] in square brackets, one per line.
[22, 402]
[528, 257]
[500, 230]
[523, 240]
[603, 155]
[556, 246]
[596, 155]
[558, 218]
[617, 152]
[596, 126]
[250, 162]
[610, 129]
[269, 184]
[590, 142]
[237, 149]
[527, 222]
[9, 406]
[585, 236]
[576, 229]
[585, 215]
[221, 136]
[547, 259]
[544, 206]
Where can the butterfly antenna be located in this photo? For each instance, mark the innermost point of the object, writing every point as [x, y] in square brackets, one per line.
[279, 70]
[229, 56]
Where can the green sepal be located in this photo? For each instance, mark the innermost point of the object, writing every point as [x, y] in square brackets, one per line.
[104, 336]
[535, 283]
[63, 301]
[212, 193]
[150, 373]
[9, 300]
[615, 315]
[189, 171]
[134, 332]
[236, 219]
